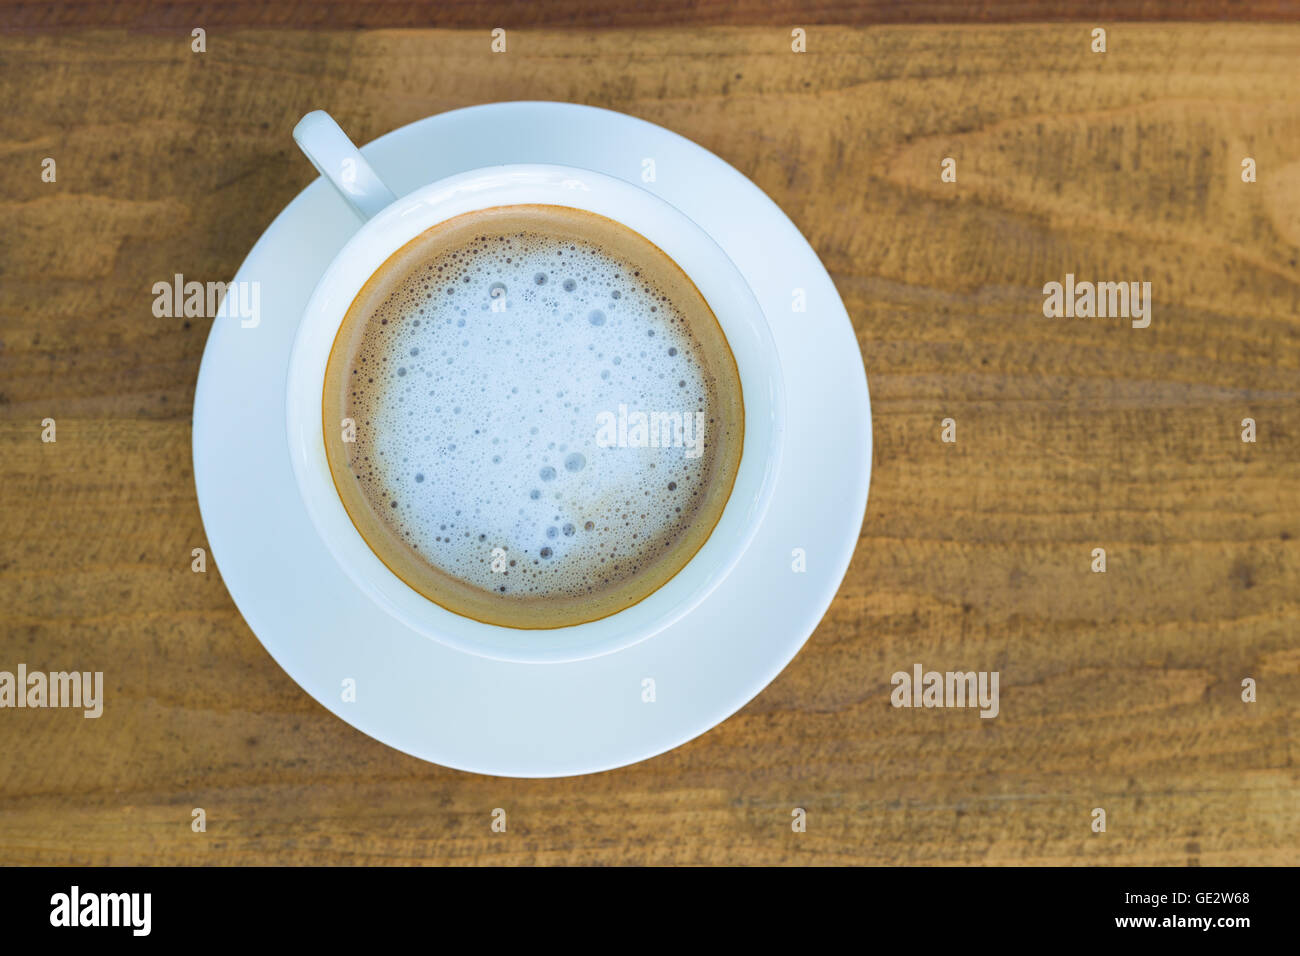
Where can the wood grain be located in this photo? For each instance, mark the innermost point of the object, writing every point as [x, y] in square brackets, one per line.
[1119, 690]
[180, 16]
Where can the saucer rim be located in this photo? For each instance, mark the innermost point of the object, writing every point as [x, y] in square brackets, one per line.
[778, 653]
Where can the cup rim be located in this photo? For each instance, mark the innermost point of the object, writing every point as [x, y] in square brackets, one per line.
[724, 288]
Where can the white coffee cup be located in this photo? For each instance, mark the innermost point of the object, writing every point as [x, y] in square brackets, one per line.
[391, 222]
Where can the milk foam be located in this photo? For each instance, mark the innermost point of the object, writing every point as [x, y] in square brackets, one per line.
[478, 389]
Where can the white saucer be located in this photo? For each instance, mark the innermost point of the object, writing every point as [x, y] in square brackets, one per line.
[534, 720]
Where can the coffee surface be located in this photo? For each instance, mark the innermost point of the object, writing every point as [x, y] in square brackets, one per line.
[548, 419]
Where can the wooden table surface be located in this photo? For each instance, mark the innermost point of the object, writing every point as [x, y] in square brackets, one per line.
[1119, 690]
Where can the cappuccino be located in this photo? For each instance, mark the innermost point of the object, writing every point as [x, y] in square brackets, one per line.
[532, 416]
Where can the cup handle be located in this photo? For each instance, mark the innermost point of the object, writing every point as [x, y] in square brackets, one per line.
[339, 161]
